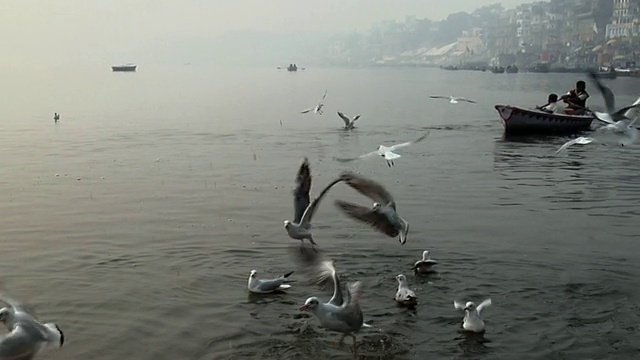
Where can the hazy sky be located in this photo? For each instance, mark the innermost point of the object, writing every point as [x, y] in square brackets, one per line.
[96, 29]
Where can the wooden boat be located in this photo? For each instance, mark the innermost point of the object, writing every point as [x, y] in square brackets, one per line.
[517, 120]
[497, 70]
[127, 67]
[511, 69]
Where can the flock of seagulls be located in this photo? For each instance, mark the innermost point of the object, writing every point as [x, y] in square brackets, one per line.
[342, 313]
[620, 123]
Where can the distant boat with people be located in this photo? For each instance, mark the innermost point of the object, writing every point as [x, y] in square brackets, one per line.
[126, 67]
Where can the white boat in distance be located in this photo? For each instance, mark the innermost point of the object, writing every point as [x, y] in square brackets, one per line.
[126, 67]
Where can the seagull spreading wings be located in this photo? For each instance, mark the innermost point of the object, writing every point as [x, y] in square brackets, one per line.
[386, 153]
[580, 140]
[27, 337]
[318, 108]
[383, 216]
[348, 123]
[452, 99]
[612, 115]
[472, 320]
[300, 227]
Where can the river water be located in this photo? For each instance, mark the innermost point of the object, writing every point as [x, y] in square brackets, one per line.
[134, 222]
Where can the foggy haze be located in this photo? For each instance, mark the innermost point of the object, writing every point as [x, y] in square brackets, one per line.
[209, 31]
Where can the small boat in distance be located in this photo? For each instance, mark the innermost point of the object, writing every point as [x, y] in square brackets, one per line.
[126, 67]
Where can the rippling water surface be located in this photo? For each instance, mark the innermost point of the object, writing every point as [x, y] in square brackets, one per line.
[134, 222]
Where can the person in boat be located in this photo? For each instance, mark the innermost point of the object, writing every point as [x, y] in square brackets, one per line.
[551, 106]
[576, 99]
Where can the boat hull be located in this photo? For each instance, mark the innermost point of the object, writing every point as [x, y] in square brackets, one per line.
[519, 121]
[125, 68]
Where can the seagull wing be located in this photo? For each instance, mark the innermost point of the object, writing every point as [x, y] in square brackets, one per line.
[355, 118]
[398, 146]
[636, 105]
[609, 99]
[324, 96]
[439, 97]
[458, 305]
[301, 193]
[368, 188]
[22, 343]
[391, 155]
[311, 209]
[344, 118]
[366, 215]
[628, 109]
[486, 303]
[467, 100]
[581, 140]
[604, 117]
[356, 158]
[306, 111]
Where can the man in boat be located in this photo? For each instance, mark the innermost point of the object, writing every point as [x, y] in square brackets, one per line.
[551, 106]
[576, 99]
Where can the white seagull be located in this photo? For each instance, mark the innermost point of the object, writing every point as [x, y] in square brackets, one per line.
[341, 315]
[27, 336]
[582, 140]
[383, 216]
[404, 295]
[386, 153]
[265, 286]
[300, 227]
[425, 265]
[472, 320]
[318, 108]
[349, 124]
[452, 99]
[612, 115]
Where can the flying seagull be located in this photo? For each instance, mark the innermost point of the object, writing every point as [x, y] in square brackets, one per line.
[265, 286]
[348, 123]
[56, 117]
[318, 108]
[472, 320]
[582, 140]
[341, 315]
[612, 115]
[386, 153]
[382, 216]
[452, 99]
[300, 227]
[27, 336]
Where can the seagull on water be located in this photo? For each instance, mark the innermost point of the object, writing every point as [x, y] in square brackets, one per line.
[582, 140]
[349, 124]
[300, 227]
[341, 315]
[383, 215]
[612, 116]
[452, 99]
[386, 153]
[265, 286]
[404, 295]
[425, 265]
[27, 336]
[318, 108]
[472, 320]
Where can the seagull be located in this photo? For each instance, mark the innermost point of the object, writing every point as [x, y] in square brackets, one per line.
[425, 265]
[27, 336]
[300, 227]
[472, 320]
[265, 286]
[385, 152]
[56, 117]
[404, 295]
[341, 315]
[452, 99]
[318, 108]
[349, 124]
[582, 140]
[383, 216]
[612, 115]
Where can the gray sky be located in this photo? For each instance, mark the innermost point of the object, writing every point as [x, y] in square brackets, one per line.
[94, 29]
